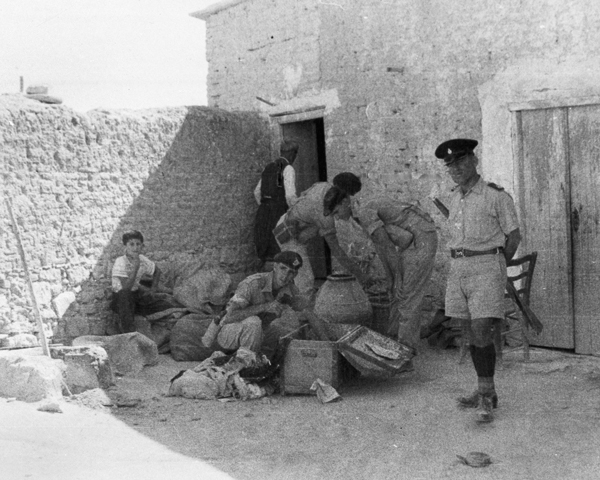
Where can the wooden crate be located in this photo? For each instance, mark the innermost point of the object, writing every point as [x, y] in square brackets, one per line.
[307, 360]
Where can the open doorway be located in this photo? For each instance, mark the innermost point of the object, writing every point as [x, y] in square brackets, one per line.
[311, 167]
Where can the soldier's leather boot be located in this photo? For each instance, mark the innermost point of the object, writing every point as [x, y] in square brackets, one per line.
[472, 401]
[484, 413]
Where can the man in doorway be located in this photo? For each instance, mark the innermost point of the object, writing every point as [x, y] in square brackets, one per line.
[485, 235]
[274, 193]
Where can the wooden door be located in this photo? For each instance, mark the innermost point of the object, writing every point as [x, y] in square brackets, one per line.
[559, 177]
[545, 221]
[584, 154]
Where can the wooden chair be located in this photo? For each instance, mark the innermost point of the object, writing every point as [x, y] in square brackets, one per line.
[522, 281]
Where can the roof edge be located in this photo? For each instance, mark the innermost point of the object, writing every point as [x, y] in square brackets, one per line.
[216, 8]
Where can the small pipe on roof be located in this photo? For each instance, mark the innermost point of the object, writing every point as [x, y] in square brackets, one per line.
[266, 101]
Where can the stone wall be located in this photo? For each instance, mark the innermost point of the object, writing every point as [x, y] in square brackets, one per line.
[183, 176]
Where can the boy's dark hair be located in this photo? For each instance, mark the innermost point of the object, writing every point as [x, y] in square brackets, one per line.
[332, 199]
[132, 234]
[348, 182]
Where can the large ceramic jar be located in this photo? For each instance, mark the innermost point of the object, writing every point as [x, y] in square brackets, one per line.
[341, 299]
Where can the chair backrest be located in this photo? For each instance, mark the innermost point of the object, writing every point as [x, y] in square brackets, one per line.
[522, 280]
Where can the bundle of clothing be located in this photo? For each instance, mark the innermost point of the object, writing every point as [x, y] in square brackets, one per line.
[224, 376]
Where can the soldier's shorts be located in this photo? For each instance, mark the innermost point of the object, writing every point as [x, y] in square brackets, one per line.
[476, 287]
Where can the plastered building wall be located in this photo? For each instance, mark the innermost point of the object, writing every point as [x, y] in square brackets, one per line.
[183, 176]
[396, 78]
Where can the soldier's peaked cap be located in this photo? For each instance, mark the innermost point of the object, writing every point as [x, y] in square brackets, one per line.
[291, 259]
[452, 150]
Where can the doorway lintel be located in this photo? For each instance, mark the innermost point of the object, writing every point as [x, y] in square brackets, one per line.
[300, 115]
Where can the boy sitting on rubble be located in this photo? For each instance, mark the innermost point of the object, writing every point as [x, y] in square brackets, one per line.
[135, 282]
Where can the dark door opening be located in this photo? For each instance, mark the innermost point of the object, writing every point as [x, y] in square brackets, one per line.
[311, 167]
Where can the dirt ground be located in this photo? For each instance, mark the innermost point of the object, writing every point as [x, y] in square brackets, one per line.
[408, 427]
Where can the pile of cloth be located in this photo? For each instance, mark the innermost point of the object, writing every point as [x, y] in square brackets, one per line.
[220, 376]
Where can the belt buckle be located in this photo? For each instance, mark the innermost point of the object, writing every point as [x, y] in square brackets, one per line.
[459, 253]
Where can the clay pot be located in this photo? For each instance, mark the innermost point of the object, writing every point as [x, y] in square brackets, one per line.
[341, 299]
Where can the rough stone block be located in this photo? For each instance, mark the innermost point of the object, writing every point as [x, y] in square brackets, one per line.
[29, 375]
[128, 353]
[62, 302]
[37, 89]
[86, 367]
[42, 292]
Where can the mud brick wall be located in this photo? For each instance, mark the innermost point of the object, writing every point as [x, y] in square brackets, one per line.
[183, 176]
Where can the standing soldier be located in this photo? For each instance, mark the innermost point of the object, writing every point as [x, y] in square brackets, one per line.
[274, 193]
[484, 235]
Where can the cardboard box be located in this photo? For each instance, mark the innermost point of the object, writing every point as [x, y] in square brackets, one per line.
[307, 360]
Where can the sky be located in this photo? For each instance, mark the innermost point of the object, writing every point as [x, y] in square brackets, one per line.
[130, 54]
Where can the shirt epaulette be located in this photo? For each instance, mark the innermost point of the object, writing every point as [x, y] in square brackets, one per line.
[495, 187]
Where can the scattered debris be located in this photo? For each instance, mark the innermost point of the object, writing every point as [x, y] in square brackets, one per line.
[476, 459]
[95, 398]
[216, 379]
[51, 407]
[127, 402]
[325, 393]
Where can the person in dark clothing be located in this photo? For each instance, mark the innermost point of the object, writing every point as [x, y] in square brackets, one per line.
[275, 193]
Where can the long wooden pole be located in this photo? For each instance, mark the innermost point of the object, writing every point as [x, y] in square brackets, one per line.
[38, 317]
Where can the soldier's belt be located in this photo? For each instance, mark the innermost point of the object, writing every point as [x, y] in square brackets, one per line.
[463, 252]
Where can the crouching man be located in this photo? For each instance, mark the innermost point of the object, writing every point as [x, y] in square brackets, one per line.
[257, 302]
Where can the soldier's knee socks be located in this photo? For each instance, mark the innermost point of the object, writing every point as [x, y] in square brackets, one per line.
[484, 361]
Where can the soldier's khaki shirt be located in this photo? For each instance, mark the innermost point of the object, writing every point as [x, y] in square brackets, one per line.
[258, 289]
[480, 219]
[307, 212]
[383, 211]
